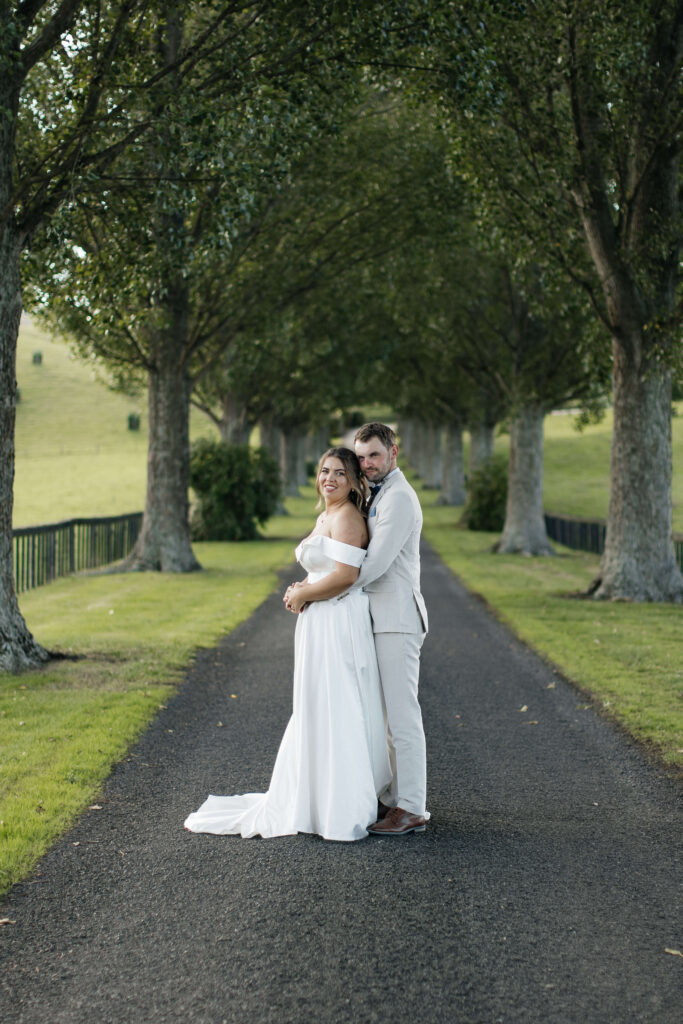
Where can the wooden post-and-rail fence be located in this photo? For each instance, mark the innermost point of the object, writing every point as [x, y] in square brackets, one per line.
[589, 534]
[43, 553]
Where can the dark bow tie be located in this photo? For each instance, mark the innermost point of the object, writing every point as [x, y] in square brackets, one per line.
[374, 488]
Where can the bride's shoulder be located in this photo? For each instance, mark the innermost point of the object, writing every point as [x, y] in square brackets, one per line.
[349, 527]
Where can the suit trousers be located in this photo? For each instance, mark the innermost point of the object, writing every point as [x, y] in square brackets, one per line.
[398, 658]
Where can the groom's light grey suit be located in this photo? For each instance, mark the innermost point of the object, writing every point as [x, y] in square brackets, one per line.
[390, 576]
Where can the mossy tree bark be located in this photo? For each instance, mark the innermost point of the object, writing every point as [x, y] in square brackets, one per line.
[18, 648]
[524, 531]
[234, 424]
[293, 450]
[481, 444]
[453, 476]
[637, 261]
[639, 561]
[164, 542]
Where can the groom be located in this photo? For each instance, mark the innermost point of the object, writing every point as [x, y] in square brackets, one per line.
[390, 576]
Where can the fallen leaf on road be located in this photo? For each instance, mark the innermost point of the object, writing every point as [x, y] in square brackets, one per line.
[6, 920]
[551, 686]
[95, 807]
[673, 952]
[532, 722]
[524, 707]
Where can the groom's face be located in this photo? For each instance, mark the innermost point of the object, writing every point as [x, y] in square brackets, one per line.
[376, 460]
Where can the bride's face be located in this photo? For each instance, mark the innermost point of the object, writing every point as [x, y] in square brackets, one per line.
[333, 483]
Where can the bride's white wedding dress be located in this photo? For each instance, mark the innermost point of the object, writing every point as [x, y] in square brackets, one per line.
[333, 759]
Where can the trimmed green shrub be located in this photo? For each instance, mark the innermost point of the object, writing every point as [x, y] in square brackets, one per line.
[486, 496]
[237, 487]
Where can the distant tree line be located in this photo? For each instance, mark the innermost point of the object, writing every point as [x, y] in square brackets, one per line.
[279, 211]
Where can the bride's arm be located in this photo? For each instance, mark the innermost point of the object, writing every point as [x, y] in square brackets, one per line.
[350, 530]
[336, 582]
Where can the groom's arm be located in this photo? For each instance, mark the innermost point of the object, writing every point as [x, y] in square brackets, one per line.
[392, 531]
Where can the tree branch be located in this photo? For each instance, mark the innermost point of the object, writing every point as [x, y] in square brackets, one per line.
[60, 22]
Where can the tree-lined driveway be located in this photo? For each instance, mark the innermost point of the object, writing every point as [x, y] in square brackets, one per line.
[546, 889]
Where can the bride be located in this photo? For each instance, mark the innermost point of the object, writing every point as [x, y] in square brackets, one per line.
[333, 759]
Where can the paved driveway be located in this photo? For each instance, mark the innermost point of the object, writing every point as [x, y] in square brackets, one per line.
[546, 888]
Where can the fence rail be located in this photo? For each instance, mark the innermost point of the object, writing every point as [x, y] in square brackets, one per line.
[43, 553]
[589, 534]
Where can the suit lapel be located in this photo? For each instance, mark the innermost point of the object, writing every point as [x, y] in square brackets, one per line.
[372, 515]
[386, 486]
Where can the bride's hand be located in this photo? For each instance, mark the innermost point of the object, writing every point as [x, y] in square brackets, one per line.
[296, 598]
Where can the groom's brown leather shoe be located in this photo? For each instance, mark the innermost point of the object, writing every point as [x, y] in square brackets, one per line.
[397, 822]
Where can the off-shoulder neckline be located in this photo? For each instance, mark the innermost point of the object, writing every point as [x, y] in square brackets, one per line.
[322, 536]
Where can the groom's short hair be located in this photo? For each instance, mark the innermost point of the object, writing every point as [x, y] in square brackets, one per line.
[381, 431]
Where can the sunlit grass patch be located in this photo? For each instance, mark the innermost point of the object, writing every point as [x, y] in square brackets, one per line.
[56, 751]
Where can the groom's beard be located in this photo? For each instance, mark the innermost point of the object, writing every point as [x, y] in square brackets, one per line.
[379, 474]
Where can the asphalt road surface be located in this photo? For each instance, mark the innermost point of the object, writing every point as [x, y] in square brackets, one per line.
[546, 888]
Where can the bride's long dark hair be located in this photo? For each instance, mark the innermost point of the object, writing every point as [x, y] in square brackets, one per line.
[349, 459]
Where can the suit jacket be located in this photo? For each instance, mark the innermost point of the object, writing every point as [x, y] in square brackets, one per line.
[390, 574]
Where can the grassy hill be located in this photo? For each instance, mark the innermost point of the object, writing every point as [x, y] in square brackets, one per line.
[75, 453]
[77, 457]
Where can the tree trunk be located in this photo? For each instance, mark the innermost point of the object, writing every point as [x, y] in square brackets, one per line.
[639, 560]
[481, 444]
[301, 474]
[639, 272]
[418, 449]
[405, 436]
[164, 541]
[18, 649]
[293, 442]
[271, 438]
[453, 478]
[317, 443]
[234, 426]
[433, 457]
[524, 530]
